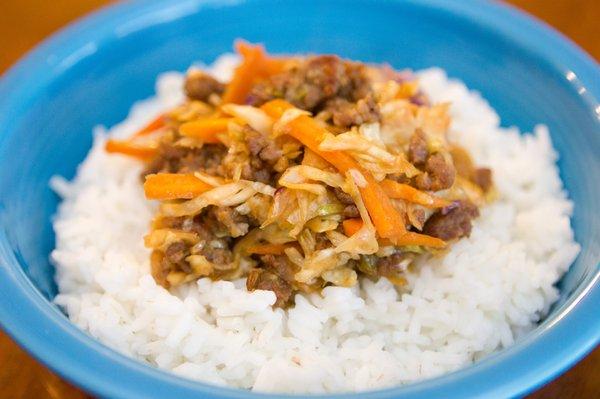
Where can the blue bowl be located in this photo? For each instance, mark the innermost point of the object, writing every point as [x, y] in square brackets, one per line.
[92, 72]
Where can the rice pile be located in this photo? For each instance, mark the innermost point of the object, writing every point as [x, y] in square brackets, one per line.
[482, 296]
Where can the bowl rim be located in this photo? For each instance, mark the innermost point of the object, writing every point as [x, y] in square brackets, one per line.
[91, 365]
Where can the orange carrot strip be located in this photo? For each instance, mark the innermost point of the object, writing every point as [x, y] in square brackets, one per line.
[127, 147]
[256, 65]
[269, 65]
[205, 129]
[151, 127]
[273, 66]
[169, 186]
[387, 220]
[412, 238]
[405, 192]
[351, 226]
[267, 249]
[245, 74]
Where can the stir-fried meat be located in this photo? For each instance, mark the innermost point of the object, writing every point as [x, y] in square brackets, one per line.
[261, 146]
[393, 265]
[177, 159]
[226, 221]
[176, 254]
[172, 260]
[417, 148]
[321, 241]
[452, 222]
[264, 155]
[200, 86]
[258, 170]
[483, 178]
[311, 84]
[346, 113]
[351, 211]
[259, 279]
[344, 198]
[214, 236]
[279, 265]
[439, 173]
[277, 224]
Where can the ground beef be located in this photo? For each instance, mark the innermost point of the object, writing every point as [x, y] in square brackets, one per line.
[176, 159]
[453, 221]
[400, 178]
[261, 146]
[345, 113]
[259, 279]
[439, 174]
[258, 170]
[417, 148]
[264, 155]
[483, 178]
[343, 197]
[177, 252]
[200, 86]
[351, 211]
[279, 265]
[216, 254]
[234, 223]
[276, 273]
[311, 84]
[391, 266]
[215, 243]
[321, 241]
[172, 260]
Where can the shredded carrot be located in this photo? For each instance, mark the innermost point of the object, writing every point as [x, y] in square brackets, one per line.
[245, 74]
[412, 238]
[151, 127]
[269, 65]
[205, 129]
[405, 192]
[387, 220]
[274, 65]
[169, 186]
[128, 147]
[351, 226]
[267, 249]
[256, 64]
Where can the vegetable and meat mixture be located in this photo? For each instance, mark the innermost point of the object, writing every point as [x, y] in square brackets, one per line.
[302, 172]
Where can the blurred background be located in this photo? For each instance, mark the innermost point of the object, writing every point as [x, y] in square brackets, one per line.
[24, 23]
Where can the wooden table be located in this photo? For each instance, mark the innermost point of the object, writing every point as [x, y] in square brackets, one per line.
[23, 23]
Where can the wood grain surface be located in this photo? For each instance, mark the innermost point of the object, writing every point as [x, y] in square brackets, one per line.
[24, 23]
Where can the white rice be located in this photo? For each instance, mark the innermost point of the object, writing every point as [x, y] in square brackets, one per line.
[482, 296]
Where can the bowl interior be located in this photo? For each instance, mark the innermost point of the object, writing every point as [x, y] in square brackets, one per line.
[96, 77]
